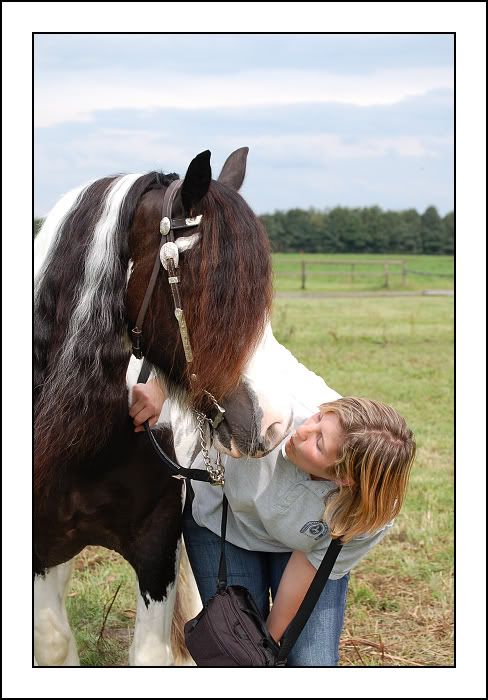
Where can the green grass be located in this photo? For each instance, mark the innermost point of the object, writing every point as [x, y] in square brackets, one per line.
[397, 350]
[437, 272]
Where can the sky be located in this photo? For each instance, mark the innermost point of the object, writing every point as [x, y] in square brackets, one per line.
[330, 119]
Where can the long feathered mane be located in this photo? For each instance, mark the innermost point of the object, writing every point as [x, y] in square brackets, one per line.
[80, 335]
[226, 289]
[81, 348]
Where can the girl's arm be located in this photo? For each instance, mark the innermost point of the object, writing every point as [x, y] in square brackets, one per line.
[147, 402]
[294, 584]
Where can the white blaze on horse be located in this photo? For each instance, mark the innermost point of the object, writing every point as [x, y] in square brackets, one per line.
[96, 481]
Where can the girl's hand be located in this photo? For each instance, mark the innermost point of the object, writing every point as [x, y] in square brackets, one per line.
[147, 402]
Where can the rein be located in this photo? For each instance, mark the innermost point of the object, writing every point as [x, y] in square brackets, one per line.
[168, 257]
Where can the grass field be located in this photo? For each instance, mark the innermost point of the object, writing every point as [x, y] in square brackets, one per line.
[400, 604]
[362, 272]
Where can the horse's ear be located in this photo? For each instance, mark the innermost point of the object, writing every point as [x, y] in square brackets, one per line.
[234, 169]
[197, 181]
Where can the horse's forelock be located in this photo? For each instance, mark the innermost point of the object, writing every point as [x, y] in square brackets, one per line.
[226, 290]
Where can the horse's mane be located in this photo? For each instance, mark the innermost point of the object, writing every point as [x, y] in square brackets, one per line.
[229, 275]
[81, 348]
[80, 336]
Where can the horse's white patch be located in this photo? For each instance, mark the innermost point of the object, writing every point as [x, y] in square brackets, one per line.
[185, 431]
[151, 644]
[54, 643]
[47, 236]
[278, 380]
[130, 267]
[187, 242]
[101, 256]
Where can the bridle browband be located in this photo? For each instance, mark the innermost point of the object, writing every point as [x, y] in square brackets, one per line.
[168, 257]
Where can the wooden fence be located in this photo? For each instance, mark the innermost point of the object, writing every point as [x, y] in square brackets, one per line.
[354, 269]
[397, 267]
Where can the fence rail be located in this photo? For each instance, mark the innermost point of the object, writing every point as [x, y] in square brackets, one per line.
[429, 274]
[353, 271]
[389, 269]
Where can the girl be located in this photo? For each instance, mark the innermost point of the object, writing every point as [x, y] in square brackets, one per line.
[342, 473]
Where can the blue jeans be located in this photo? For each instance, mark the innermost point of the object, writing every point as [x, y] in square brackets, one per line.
[260, 572]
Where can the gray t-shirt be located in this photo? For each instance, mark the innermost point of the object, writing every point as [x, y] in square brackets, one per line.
[275, 507]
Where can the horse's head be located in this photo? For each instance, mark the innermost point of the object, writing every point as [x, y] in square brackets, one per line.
[224, 273]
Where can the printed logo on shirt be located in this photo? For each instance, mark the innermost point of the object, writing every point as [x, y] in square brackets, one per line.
[315, 529]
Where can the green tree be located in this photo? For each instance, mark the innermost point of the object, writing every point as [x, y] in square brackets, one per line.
[432, 232]
[448, 225]
[409, 235]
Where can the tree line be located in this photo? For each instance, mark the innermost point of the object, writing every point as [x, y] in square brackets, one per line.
[366, 230]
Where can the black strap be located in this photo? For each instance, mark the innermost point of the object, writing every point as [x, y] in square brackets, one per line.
[222, 575]
[295, 627]
[175, 469]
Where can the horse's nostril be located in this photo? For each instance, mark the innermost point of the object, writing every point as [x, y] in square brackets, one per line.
[273, 435]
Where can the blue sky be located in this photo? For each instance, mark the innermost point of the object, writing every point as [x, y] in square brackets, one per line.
[330, 119]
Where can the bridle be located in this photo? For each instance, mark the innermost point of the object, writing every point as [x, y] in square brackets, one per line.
[168, 257]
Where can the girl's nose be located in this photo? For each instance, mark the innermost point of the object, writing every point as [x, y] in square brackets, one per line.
[304, 431]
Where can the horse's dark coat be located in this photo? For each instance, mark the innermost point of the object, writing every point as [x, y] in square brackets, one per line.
[96, 482]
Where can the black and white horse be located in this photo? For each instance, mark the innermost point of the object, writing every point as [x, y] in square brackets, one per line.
[96, 481]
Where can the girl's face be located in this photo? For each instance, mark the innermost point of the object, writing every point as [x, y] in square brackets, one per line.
[315, 445]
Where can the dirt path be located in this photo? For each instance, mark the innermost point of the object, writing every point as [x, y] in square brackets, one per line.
[321, 295]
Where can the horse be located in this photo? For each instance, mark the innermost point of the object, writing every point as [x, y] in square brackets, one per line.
[97, 481]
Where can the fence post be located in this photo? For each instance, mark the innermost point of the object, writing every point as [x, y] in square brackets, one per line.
[352, 272]
[404, 273]
[303, 274]
[386, 275]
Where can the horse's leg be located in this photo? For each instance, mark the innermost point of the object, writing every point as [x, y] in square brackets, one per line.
[54, 643]
[151, 643]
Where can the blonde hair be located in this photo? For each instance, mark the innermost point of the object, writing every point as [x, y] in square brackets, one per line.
[373, 465]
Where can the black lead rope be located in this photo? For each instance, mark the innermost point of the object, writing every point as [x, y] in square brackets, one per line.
[175, 469]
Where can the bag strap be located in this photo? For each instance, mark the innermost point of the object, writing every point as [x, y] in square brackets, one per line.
[295, 627]
[222, 575]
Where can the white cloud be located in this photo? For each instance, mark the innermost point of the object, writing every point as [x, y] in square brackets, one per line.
[328, 146]
[76, 95]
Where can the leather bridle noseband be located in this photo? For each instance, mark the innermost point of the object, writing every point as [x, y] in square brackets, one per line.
[168, 257]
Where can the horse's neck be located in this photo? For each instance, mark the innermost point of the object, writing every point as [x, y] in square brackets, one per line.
[275, 368]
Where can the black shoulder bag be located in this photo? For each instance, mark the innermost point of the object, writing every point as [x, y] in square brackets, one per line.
[230, 630]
